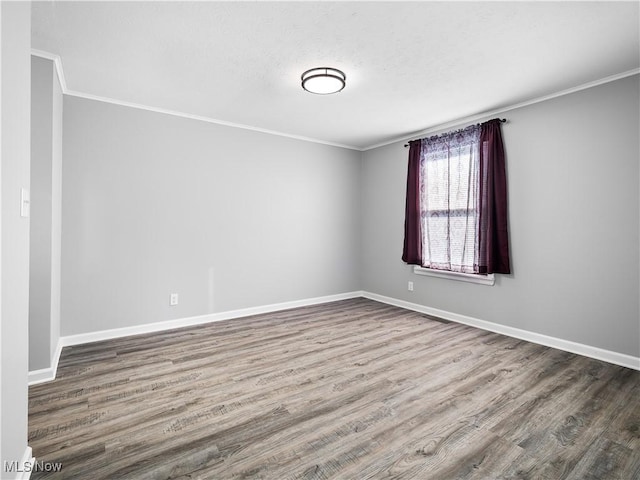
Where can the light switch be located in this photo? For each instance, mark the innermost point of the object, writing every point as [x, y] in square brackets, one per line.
[25, 203]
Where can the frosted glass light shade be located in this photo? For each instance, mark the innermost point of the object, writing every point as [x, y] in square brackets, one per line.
[323, 80]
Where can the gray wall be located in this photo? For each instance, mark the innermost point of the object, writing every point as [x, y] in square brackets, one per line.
[15, 44]
[227, 218]
[44, 268]
[573, 173]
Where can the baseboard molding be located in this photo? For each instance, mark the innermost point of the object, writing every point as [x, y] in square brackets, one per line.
[25, 466]
[42, 375]
[48, 374]
[609, 356]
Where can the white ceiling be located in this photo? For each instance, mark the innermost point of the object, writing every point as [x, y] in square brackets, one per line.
[410, 65]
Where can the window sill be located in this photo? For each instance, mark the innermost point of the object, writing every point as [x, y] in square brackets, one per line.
[461, 277]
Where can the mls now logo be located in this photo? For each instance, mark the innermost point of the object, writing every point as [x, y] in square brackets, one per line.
[28, 467]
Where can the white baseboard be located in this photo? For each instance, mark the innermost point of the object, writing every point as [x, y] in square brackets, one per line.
[26, 465]
[609, 356]
[48, 374]
[42, 375]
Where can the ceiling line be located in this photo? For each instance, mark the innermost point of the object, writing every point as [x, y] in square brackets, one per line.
[490, 113]
[447, 125]
[58, 64]
[65, 90]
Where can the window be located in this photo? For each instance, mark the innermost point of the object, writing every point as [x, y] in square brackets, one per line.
[448, 201]
[456, 212]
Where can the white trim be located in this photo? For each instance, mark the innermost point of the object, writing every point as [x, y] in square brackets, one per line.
[63, 83]
[609, 356]
[216, 121]
[48, 374]
[42, 375]
[57, 63]
[27, 458]
[199, 320]
[443, 126]
[459, 276]
[491, 113]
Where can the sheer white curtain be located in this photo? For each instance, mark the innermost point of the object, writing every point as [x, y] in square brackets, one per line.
[449, 172]
[456, 206]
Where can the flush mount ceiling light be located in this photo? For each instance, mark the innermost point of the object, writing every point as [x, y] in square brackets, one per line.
[323, 80]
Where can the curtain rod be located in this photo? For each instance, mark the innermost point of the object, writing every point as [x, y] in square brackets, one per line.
[502, 120]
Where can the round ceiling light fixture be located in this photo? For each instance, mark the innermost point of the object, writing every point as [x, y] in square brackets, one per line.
[323, 80]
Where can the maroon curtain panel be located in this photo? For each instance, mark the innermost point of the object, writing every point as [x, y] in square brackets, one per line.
[493, 236]
[412, 251]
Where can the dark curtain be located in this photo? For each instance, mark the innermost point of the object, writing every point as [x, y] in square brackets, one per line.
[493, 235]
[412, 251]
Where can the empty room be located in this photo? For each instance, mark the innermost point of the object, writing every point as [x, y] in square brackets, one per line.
[320, 240]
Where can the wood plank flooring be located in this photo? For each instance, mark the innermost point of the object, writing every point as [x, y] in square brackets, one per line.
[348, 390]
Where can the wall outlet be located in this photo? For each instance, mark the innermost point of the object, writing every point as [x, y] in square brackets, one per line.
[173, 300]
[410, 286]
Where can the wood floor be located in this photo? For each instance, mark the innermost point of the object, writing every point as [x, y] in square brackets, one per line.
[348, 390]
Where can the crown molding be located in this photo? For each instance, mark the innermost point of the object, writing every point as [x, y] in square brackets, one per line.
[436, 128]
[58, 64]
[490, 113]
[73, 93]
